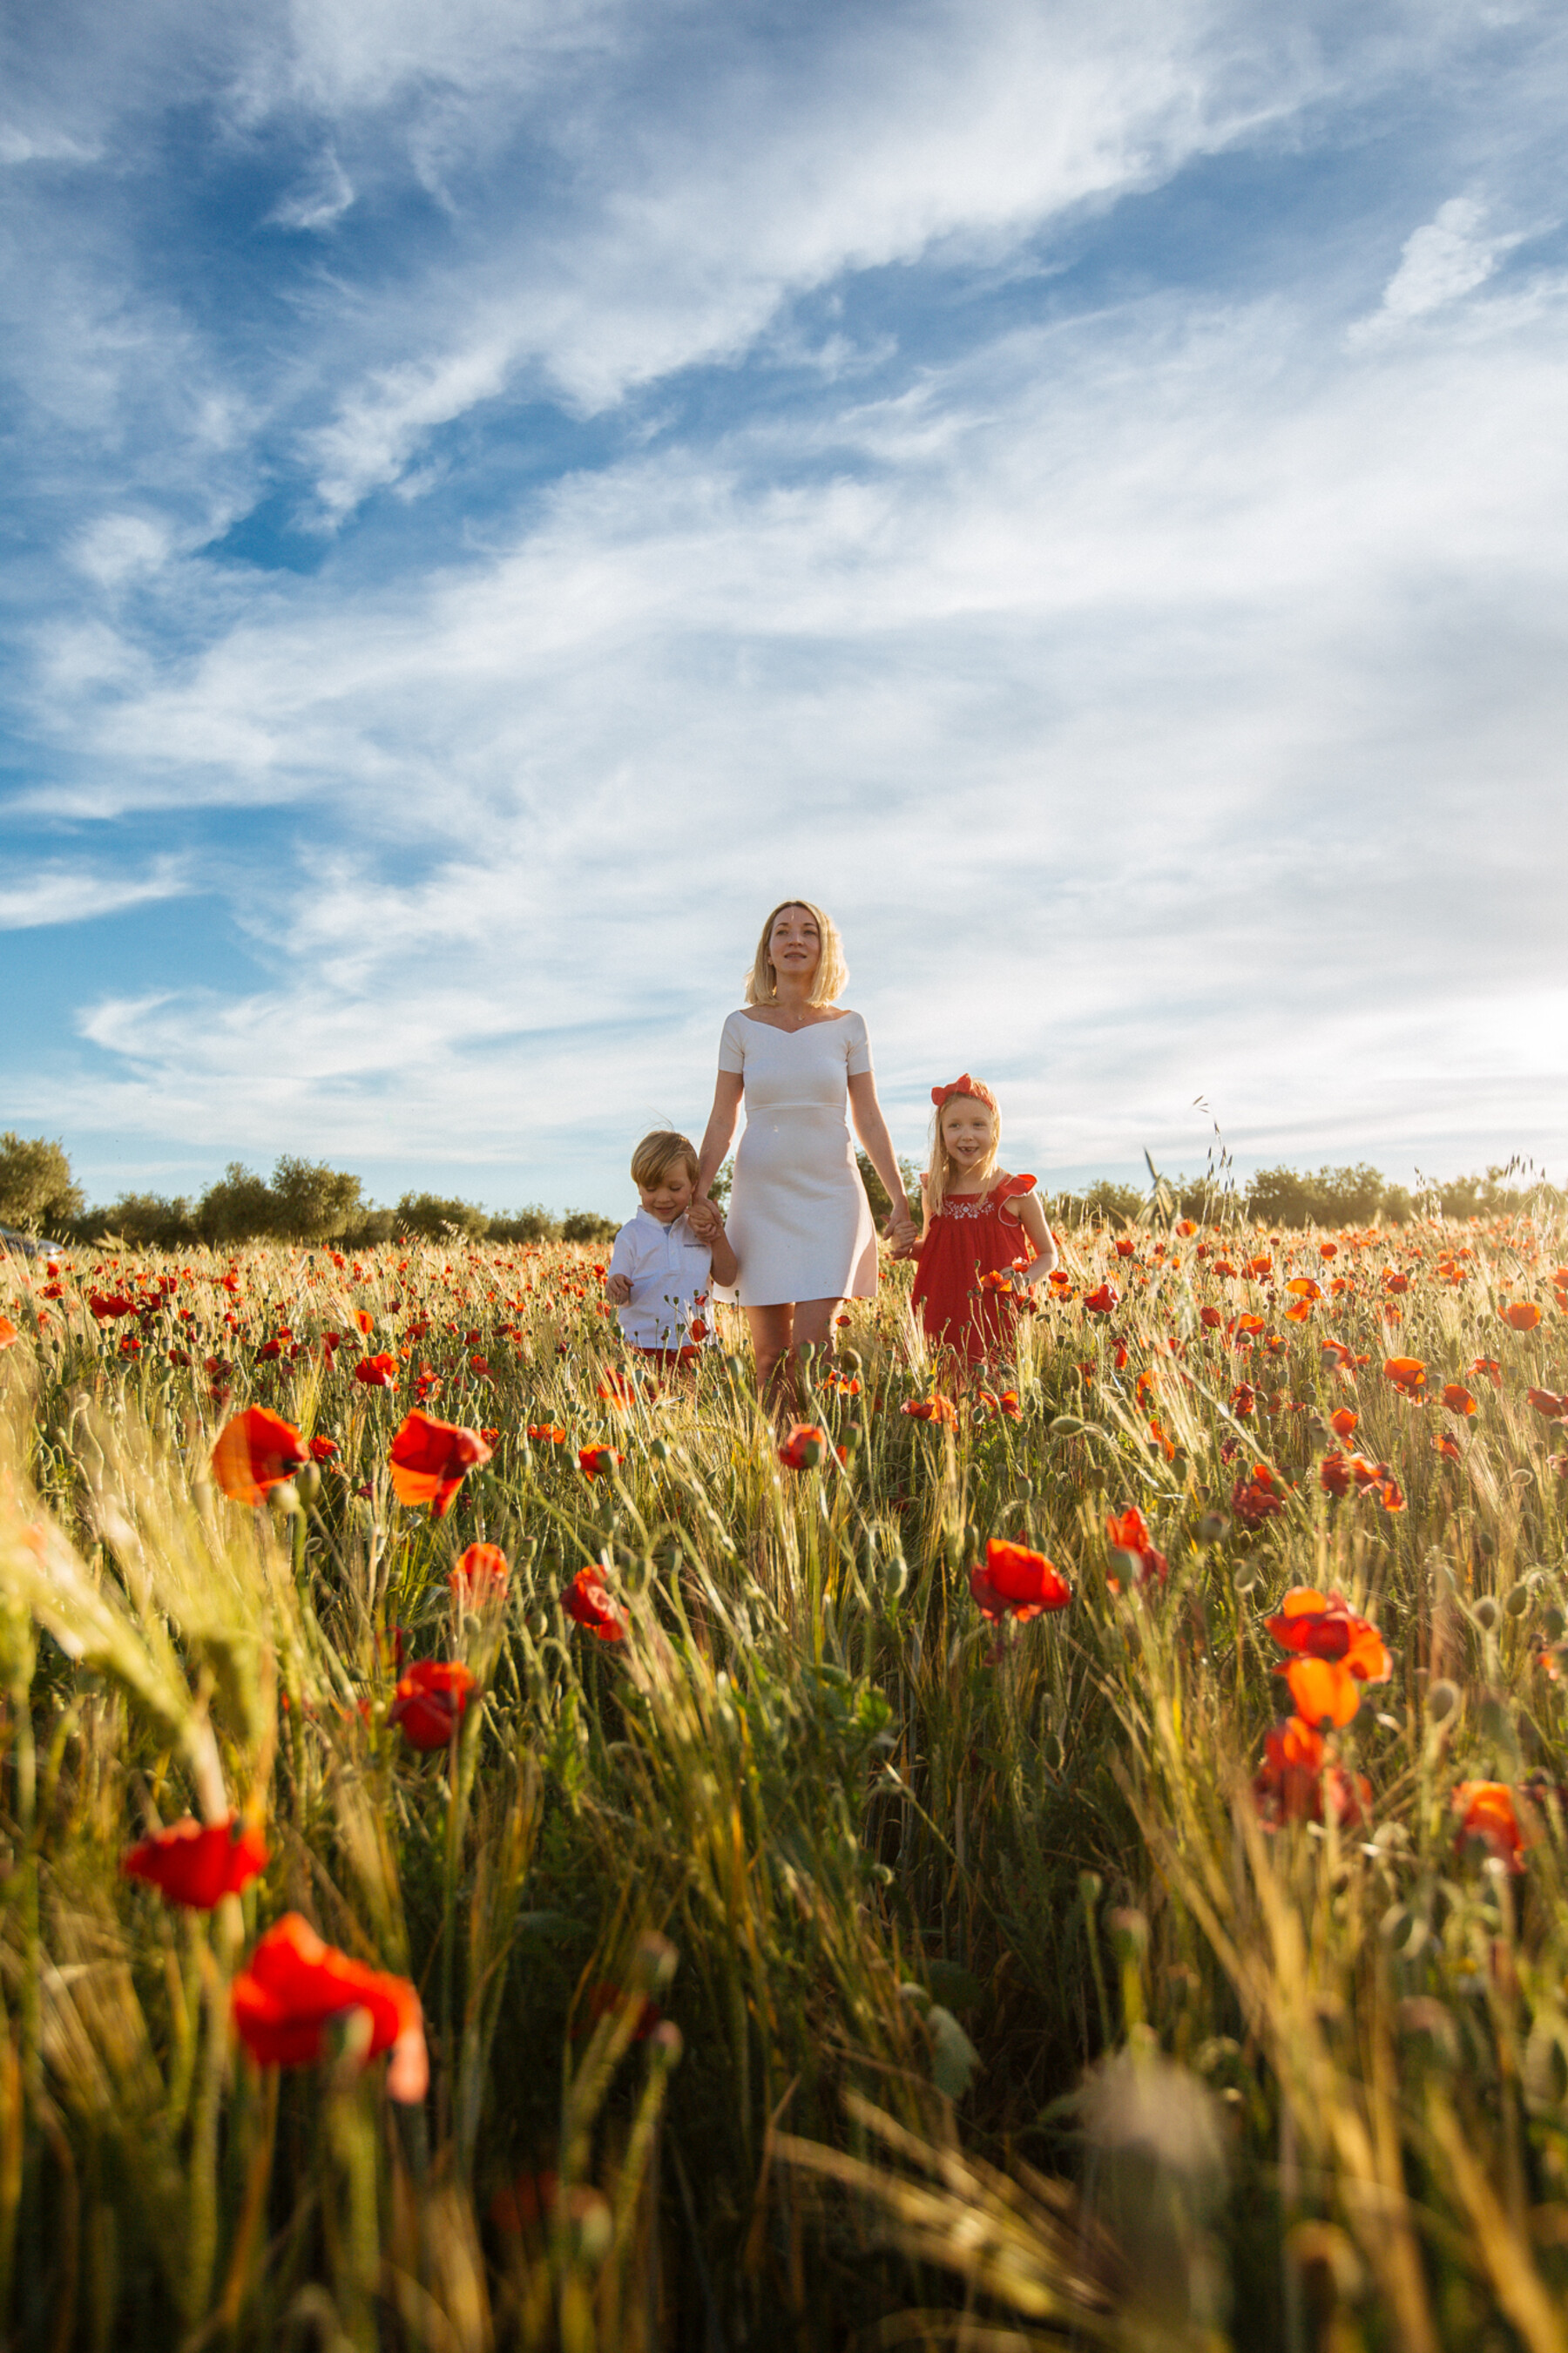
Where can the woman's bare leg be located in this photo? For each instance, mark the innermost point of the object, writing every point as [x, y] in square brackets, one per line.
[773, 1333]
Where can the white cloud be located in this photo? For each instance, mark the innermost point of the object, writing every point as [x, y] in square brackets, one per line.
[60, 894]
[317, 201]
[1441, 262]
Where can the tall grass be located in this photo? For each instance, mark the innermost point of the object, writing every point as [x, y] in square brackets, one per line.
[820, 1960]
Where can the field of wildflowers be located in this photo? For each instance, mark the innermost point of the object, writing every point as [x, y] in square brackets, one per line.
[501, 1852]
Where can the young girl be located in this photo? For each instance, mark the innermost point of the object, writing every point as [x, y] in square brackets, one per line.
[979, 1221]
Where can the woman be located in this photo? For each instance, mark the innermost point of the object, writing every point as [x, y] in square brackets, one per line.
[799, 1218]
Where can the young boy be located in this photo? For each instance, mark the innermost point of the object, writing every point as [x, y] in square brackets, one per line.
[660, 1272]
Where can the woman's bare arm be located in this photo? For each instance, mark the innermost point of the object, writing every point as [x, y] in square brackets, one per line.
[872, 1130]
[720, 1132]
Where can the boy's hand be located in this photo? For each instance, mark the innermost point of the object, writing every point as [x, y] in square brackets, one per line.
[618, 1289]
[704, 1218]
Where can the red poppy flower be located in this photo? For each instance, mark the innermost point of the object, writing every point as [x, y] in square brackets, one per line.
[1342, 1422]
[546, 1433]
[1298, 1783]
[1018, 1583]
[364, 1322]
[1522, 1315]
[1336, 1357]
[1334, 1474]
[1304, 1287]
[700, 1330]
[1323, 1691]
[430, 1701]
[1448, 1447]
[198, 1863]
[1210, 1318]
[1457, 1398]
[322, 1449]
[1548, 1402]
[115, 1304]
[939, 1409]
[597, 1461]
[294, 1986]
[604, 1998]
[256, 1451]
[1103, 1302]
[804, 1447]
[430, 1458]
[1243, 1399]
[1490, 1368]
[1487, 1812]
[7, 1331]
[1255, 1499]
[479, 1575]
[587, 1602]
[1260, 1266]
[377, 1372]
[1325, 1627]
[1129, 1533]
[1408, 1375]
[616, 1391]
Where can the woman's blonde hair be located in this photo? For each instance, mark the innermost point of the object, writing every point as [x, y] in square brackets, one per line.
[939, 1169]
[832, 972]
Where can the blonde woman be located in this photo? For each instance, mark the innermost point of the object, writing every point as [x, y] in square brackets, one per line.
[799, 1219]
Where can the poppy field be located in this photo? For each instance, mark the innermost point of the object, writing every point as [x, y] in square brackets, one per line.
[500, 1850]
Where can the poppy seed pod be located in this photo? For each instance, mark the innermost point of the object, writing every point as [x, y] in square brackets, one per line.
[1486, 1613]
[1442, 1699]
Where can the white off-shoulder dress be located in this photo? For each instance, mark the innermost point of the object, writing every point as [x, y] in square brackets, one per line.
[798, 1216]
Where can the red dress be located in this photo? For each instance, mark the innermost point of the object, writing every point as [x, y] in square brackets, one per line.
[970, 1237]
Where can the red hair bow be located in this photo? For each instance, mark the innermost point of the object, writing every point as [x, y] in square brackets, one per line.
[964, 1085]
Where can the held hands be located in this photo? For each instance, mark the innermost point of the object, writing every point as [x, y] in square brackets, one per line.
[705, 1220]
[900, 1232]
[618, 1289]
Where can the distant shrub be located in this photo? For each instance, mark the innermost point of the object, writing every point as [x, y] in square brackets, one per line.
[239, 1207]
[588, 1225]
[37, 1187]
[145, 1220]
[1331, 1197]
[436, 1217]
[1105, 1203]
[313, 1203]
[532, 1224]
[370, 1228]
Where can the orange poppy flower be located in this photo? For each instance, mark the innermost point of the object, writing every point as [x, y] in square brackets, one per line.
[1487, 1812]
[587, 1602]
[546, 1433]
[1297, 1782]
[7, 1331]
[1243, 1399]
[255, 1452]
[1322, 1690]
[1490, 1368]
[1103, 1302]
[1129, 1533]
[1334, 1474]
[939, 1409]
[377, 1372]
[1447, 1446]
[364, 1322]
[1261, 1265]
[1342, 1421]
[1318, 1626]
[1018, 1583]
[1521, 1315]
[1408, 1375]
[430, 1701]
[479, 1575]
[1304, 1287]
[1548, 1402]
[294, 1986]
[430, 1458]
[197, 1863]
[1457, 1398]
[804, 1447]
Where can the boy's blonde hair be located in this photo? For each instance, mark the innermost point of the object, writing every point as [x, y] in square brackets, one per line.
[832, 972]
[659, 1151]
[940, 1168]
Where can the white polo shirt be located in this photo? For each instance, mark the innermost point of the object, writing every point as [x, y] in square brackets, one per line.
[670, 1273]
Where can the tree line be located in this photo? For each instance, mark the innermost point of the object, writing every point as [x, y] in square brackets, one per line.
[307, 1201]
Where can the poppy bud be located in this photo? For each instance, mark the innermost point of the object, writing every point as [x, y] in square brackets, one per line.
[284, 1498]
[1518, 1599]
[1486, 1613]
[1553, 1624]
[660, 1450]
[1442, 1699]
[1026, 1488]
[1213, 1528]
[308, 1483]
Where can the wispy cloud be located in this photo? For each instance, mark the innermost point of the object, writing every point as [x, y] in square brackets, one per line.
[61, 894]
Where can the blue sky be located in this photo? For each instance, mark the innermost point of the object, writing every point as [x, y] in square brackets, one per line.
[494, 497]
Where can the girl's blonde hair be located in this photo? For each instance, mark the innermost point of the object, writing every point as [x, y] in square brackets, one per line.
[940, 1170]
[832, 972]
